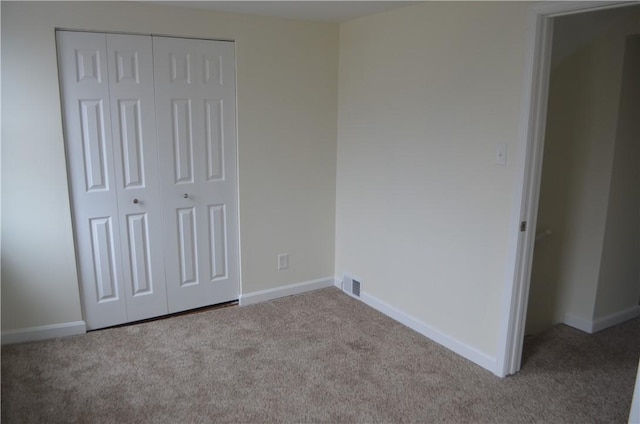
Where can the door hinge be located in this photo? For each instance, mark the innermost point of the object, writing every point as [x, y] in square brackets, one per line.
[523, 226]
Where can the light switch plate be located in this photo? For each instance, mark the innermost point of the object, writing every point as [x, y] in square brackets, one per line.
[283, 261]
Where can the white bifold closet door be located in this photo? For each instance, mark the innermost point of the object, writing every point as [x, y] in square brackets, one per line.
[140, 252]
[107, 90]
[195, 109]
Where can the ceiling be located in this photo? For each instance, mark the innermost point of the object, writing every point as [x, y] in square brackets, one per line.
[321, 11]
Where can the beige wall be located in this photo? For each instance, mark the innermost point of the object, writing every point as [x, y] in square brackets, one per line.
[619, 279]
[287, 96]
[426, 93]
[582, 121]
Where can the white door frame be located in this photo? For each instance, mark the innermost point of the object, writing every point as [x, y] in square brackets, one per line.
[539, 33]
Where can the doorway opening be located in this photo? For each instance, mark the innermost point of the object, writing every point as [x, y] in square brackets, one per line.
[534, 124]
[585, 259]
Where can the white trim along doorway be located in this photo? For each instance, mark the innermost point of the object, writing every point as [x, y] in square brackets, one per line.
[528, 172]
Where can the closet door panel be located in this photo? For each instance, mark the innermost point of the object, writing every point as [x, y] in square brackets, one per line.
[219, 183]
[137, 176]
[195, 103]
[82, 61]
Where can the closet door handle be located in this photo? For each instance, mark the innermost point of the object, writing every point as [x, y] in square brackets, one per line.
[136, 201]
[185, 196]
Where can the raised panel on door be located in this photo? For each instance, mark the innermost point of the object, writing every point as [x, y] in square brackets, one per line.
[82, 61]
[195, 104]
[104, 259]
[130, 63]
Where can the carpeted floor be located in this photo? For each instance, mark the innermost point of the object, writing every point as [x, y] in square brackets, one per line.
[321, 356]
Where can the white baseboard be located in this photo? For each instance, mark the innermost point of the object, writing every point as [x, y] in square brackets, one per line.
[270, 294]
[578, 323]
[44, 332]
[462, 349]
[599, 324]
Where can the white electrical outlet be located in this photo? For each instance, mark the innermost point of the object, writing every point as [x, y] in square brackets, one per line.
[283, 261]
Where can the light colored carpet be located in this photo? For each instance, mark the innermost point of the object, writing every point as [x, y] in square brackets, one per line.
[321, 356]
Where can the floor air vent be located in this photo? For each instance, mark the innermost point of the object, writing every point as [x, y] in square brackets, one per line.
[351, 285]
[355, 288]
